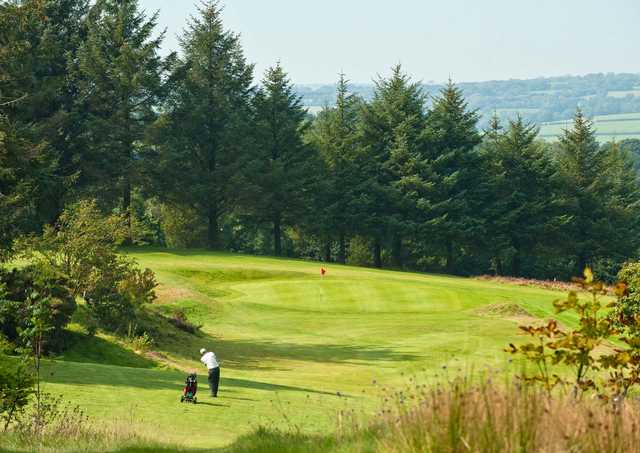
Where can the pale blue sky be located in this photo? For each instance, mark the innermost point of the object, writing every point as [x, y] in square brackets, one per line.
[471, 40]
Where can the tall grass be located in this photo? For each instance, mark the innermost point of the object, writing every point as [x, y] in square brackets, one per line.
[487, 417]
[87, 437]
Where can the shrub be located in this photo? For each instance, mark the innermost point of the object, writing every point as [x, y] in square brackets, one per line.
[25, 287]
[628, 305]
[360, 252]
[115, 293]
[52, 417]
[180, 321]
[16, 388]
[576, 348]
[145, 220]
[182, 227]
[83, 246]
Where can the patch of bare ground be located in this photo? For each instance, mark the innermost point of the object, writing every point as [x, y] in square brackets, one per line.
[506, 310]
[170, 294]
[514, 312]
[167, 361]
[554, 285]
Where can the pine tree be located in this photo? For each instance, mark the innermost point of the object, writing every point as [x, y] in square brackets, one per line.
[584, 169]
[203, 144]
[283, 161]
[391, 129]
[622, 207]
[522, 213]
[40, 40]
[334, 134]
[457, 180]
[121, 77]
[26, 173]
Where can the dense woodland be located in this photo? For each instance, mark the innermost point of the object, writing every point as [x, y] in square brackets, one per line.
[195, 151]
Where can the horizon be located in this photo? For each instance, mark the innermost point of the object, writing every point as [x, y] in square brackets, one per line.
[493, 41]
[467, 82]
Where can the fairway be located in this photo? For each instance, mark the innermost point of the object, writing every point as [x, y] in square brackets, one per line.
[294, 348]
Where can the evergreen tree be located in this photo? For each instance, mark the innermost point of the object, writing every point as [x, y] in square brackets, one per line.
[26, 173]
[334, 134]
[40, 41]
[623, 208]
[283, 171]
[522, 215]
[121, 79]
[458, 184]
[203, 140]
[586, 188]
[391, 129]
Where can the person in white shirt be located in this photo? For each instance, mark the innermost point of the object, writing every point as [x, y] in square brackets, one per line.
[211, 362]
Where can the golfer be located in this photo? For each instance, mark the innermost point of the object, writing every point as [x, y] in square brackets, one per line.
[210, 361]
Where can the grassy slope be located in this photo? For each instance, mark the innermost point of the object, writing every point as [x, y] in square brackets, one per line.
[289, 342]
[608, 127]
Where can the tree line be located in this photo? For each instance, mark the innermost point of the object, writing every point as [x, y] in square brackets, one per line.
[194, 153]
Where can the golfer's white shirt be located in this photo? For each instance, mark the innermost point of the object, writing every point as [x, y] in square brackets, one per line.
[209, 359]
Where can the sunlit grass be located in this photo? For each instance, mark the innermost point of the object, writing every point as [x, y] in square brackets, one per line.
[295, 348]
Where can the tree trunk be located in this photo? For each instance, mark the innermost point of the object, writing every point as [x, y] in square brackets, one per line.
[277, 234]
[582, 263]
[128, 143]
[327, 251]
[449, 265]
[377, 254]
[516, 265]
[342, 249]
[213, 228]
[126, 208]
[397, 252]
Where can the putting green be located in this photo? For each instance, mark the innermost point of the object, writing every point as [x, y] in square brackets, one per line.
[295, 348]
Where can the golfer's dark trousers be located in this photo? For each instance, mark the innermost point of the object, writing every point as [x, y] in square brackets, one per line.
[214, 381]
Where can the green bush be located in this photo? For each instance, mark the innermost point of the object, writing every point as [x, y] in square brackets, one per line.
[628, 306]
[16, 388]
[83, 246]
[22, 289]
[360, 252]
[182, 227]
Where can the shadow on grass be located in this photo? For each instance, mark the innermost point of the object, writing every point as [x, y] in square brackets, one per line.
[86, 349]
[258, 355]
[261, 354]
[204, 403]
[81, 374]
[265, 440]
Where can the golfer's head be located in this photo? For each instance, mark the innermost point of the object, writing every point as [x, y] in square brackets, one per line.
[202, 351]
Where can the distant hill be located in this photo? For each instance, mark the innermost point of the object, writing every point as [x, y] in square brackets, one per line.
[540, 100]
[616, 127]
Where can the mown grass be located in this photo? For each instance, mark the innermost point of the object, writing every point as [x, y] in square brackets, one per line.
[295, 349]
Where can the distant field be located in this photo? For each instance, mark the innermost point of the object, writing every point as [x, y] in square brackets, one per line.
[608, 127]
[622, 94]
[295, 348]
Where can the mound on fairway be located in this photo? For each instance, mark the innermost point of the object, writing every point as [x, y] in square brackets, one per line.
[294, 348]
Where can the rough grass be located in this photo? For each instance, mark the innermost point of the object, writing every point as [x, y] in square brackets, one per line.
[295, 349]
[463, 416]
[498, 418]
